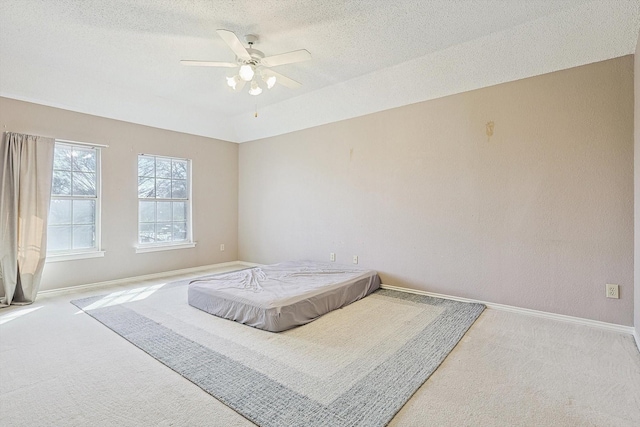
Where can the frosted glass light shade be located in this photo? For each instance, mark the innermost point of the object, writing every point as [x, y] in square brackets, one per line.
[255, 89]
[271, 81]
[246, 72]
[232, 82]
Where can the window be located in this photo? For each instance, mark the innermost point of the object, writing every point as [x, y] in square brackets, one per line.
[164, 201]
[74, 212]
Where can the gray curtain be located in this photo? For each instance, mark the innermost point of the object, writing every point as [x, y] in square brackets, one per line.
[26, 164]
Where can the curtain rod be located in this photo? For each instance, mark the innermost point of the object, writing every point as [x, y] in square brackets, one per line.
[82, 143]
[90, 144]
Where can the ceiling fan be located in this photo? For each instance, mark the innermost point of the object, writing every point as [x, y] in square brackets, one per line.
[254, 67]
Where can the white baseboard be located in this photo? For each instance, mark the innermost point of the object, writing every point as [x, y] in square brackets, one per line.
[145, 277]
[249, 264]
[561, 317]
[526, 311]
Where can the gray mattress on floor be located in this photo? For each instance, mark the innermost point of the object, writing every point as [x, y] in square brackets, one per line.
[281, 296]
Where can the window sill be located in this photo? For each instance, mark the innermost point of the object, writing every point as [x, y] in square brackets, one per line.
[74, 256]
[157, 248]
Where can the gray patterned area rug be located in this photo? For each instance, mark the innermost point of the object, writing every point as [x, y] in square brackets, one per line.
[354, 366]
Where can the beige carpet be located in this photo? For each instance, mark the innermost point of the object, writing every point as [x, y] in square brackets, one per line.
[61, 368]
[355, 366]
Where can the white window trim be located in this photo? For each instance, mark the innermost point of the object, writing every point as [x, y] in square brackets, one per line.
[60, 257]
[190, 242]
[97, 252]
[141, 249]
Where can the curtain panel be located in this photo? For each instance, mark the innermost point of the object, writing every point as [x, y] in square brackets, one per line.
[26, 166]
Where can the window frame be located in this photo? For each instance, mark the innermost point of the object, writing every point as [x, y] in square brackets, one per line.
[96, 251]
[171, 245]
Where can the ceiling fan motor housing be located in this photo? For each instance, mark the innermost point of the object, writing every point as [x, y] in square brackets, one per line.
[255, 54]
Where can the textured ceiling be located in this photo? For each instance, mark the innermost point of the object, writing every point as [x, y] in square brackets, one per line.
[120, 59]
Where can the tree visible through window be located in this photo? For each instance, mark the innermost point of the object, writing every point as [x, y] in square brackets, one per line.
[75, 198]
[163, 200]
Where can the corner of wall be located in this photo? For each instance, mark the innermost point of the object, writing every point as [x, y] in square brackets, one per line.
[636, 179]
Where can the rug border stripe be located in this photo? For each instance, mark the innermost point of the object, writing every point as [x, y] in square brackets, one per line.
[343, 411]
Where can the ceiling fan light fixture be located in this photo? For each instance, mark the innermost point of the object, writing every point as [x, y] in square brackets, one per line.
[255, 89]
[270, 81]
[252, 64]
[246, 72]
[232, 82]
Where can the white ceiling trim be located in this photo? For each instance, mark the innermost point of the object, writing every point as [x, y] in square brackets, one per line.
[585, 34]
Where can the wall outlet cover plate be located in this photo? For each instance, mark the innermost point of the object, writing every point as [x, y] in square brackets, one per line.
[612, 291]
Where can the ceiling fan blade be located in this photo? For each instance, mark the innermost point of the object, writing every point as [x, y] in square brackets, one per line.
[234, 44]
[286, 58]
[208, 63]
[285, 81]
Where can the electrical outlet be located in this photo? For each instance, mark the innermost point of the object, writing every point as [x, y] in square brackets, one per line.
[355, 259]
[612, 291]
[222, 247]
[332, 257]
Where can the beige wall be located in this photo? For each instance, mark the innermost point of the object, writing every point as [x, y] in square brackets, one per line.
[636, 170]
[540, 215]
[215, 192]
